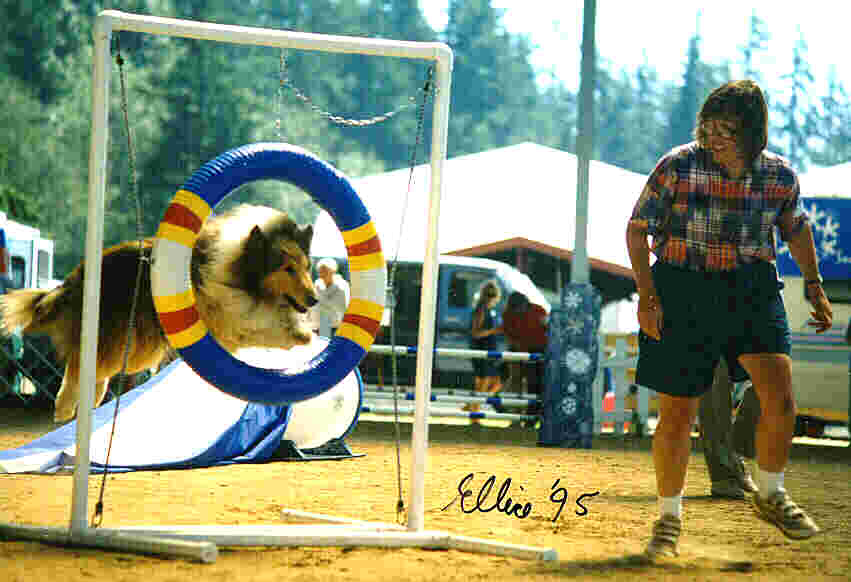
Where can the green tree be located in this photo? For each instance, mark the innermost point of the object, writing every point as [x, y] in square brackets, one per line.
[757, 37]
[684, 113]
[646, 128]
[795, 114]
[493, 82]
[831, 125]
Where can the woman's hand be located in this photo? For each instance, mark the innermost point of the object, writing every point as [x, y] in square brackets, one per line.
[823, 314]
[650, 316]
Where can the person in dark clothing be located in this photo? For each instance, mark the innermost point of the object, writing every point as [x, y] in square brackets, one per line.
[487, 377]
[525, 327]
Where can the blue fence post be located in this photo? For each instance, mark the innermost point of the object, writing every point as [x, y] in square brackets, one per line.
[572, 363]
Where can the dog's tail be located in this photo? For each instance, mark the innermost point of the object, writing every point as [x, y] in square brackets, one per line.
[27, 309]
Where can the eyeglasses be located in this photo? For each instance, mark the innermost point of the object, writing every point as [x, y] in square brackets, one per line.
[715, 131]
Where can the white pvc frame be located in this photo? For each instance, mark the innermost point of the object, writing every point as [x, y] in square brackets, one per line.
[199, 541]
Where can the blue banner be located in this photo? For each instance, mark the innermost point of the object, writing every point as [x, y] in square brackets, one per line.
[833, 241]
[572, 362]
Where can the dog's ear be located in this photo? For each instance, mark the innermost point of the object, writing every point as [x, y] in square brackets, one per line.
[305, 237]
[252, 265]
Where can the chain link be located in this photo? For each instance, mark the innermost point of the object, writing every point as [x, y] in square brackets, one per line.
[336, 119]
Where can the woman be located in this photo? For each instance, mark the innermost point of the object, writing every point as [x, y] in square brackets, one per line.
[486, 371]
[711, 207]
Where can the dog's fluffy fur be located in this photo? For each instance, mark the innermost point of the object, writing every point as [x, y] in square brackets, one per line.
[251, 278]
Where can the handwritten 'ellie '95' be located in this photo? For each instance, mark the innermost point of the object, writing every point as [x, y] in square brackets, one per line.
[505, 504]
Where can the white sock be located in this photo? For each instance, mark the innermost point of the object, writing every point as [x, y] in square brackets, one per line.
[768, 483]
[671, 505]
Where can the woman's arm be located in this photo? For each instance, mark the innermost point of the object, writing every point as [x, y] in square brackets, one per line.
[649, 306]
[803, 250]
[478, 320]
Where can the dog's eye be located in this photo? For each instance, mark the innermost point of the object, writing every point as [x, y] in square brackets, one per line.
[290, 270]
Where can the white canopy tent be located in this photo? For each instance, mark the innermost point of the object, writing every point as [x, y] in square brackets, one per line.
[525, 190]
[828, 181]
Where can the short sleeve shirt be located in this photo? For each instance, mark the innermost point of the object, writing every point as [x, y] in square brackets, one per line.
[704, 220]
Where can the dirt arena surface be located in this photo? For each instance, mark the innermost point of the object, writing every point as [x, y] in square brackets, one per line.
[722, 540]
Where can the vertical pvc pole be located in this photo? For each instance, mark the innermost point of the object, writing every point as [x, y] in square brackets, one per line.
[425, 356]
[580, 271]
[91, 283]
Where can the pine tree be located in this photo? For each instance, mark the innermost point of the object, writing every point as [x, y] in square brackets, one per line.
[832, 125]
[684, 114]
[757, 37]
[795, 114]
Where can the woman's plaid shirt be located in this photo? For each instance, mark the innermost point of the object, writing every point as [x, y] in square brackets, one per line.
[704, 220]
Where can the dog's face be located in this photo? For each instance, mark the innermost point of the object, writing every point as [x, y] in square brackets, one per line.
[281, 265]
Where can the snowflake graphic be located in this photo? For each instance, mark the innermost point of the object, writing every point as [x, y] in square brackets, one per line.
[577, 361]
[575, 326]
[826, 232]
[568, 406]
[573, 300]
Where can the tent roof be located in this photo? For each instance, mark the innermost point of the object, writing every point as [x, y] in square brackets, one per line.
[828, 181]
[525, 191]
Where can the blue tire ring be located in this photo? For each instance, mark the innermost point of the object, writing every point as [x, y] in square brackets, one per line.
[174, 298]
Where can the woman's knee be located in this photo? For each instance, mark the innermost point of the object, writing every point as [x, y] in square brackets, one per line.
[676, 415]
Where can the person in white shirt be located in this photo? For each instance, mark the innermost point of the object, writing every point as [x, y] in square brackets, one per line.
[334, 294]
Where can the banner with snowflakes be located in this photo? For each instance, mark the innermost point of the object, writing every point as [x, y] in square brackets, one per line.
[833, 241]
[572, 363]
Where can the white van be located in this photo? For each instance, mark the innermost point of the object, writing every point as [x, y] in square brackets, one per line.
[30, 255]
[820, 362]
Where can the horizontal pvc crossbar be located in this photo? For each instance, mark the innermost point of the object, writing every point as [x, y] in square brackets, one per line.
[386, 350]
[116, 20]
[444, 413]
[492, 400]
[461, 353]
[342, 535]
[446, 392]
[202, 550]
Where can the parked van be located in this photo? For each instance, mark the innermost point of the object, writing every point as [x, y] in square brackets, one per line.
[459, 279]
[820, 368]
[30, 256]
[28, 367]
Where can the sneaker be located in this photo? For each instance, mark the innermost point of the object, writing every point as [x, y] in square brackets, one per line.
[743, 476]
[784, 513]
[728, 489]
[747, 483]
[666, 534]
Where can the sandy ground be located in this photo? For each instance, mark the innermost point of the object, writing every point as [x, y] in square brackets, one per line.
[599, 538]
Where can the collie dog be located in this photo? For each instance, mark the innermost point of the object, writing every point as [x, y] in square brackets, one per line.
[251, 277]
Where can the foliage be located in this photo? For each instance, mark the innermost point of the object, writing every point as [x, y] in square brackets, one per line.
[190, 100]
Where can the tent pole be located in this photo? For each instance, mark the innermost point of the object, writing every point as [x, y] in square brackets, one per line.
[580, 271]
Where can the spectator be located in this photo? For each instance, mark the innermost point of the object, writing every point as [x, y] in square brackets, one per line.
[484, 329]
[725, 442]
[525, 327]
[334, 295]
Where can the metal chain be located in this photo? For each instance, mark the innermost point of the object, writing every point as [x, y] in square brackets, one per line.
[97, 516]
[337, 119]
[401, 514]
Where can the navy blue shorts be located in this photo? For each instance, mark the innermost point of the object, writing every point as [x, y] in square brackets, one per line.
[706, 316]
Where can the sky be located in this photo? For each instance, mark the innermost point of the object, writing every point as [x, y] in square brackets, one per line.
[657, 32]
